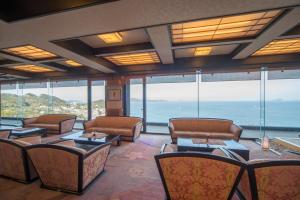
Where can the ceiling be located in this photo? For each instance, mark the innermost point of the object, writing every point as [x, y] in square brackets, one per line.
[148, 37]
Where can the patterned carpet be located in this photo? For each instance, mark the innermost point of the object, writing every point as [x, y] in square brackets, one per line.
[130, 174]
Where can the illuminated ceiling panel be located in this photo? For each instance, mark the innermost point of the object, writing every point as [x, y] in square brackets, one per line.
[32, 68]
[134, 58]
[111, 37]
[73, 63]
[239, 26]
[284, 46]
[30, 52]
[202, 51]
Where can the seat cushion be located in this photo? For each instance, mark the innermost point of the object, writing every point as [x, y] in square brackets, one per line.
[47, 126]
[194, 134]
[112, 131]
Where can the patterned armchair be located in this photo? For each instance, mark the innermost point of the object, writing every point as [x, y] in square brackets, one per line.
[269, 178]
[63, 166]
[14, 159]
[188, 176]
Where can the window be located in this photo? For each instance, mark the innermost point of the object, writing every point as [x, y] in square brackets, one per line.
[70, 97]
[98, 98]
[136, 98]
[10, 100]
[36, 99]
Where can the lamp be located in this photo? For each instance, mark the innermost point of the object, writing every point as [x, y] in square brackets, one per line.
[265, 143]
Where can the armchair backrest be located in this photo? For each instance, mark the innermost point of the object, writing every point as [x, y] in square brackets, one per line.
[14, 161]
[117, 122]
[198, 176]
[201, 124]
[54, 118]
[274, 179]
[57, 166]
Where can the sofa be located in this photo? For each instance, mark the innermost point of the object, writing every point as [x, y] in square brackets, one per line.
[54, 123]
[64, 166]
[206, 128]
[14, 160]
[129, 128]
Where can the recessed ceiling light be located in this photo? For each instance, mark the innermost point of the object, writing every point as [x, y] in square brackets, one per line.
[202, 51]
[239, 26]
[30, 52]
[283, 46]
[111, 37]
[134, 58]
[73, 63]
[32, 68]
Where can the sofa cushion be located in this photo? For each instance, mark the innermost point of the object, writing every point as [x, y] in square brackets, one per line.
[202, 125]
[112, 131]
[47, 126]
[117, 122]
[195, 134]
[53, 119]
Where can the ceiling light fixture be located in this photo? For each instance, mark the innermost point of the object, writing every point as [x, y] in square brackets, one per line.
[202, 51]
[30, 52]
[32, 68]
[134, 58]
[238, 26]
[283, 46]
[73, 63]
[110, 38]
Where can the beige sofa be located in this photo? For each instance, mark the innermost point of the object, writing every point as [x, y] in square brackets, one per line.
[204, 128]
[128, 127]
[54, 123]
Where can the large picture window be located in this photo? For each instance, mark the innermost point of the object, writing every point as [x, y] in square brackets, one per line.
[98, 98]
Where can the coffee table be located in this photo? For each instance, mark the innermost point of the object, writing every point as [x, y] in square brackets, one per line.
[23, 132]
[93, 141]
[187, 144]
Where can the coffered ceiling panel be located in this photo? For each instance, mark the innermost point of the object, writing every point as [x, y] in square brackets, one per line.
[127, 38]
[205, 51]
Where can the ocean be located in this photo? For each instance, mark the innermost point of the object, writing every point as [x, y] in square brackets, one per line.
[277, 113]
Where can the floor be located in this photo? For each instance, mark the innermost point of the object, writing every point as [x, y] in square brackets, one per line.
[130, 174]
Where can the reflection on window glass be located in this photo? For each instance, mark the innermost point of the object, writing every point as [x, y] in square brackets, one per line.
[98, 98]
[70, 97]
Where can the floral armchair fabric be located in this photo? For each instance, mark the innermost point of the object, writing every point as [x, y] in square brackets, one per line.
[65, 167]
[188, 176]
[267, 179]
[14, 160]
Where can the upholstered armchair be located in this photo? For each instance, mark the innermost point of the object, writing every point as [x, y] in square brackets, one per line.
[207, 128]
[5, 134]
[191, 176]
[269, 178]
[14, 161]
[54, 123]
[63, 166]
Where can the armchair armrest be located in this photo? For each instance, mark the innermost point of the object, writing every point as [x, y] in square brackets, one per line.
[29, 121]
[31, 139]
[88, 124]
[66, 125]
[236, 131]
[94, 162]
[136, 129]
[5, 134]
